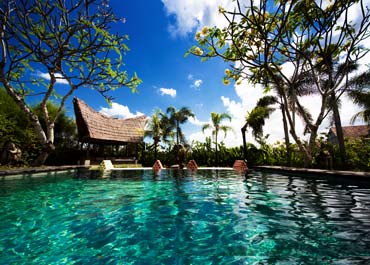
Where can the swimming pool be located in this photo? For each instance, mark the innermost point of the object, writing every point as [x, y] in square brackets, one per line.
[178, 217]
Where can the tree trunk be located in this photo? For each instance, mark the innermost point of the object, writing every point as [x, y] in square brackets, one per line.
[41, 158]
[217, 164]
[155, 151]
[244, 141]
[307, 156]
[339, 130]
[286, 135]
[156, 141]
[177, 132]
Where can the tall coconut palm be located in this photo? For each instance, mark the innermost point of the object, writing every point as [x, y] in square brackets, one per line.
[178, 117]
[154, 130]
[215, 125]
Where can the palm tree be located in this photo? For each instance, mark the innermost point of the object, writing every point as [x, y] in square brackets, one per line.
[363, 100]
[154, 130]
[216, 126]
[175, 119]
[257, 117]
[360, 94]
[178, 117]
[167, 129]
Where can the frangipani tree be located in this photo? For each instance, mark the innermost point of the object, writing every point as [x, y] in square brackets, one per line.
[62, 41]
[216, 127]
[264, 38]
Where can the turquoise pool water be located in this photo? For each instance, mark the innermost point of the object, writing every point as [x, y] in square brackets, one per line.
[211, 217]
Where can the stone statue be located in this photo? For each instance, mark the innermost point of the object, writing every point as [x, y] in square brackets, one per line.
[11, 154]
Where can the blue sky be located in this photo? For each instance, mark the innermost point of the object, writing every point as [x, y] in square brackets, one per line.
[160, 32]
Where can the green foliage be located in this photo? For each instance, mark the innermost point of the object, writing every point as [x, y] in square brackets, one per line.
[276, 155]
[357, 153]
[203, 153]
[15, 127]
[147, 157]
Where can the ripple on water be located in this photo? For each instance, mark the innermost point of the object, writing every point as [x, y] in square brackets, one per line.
[210, 217]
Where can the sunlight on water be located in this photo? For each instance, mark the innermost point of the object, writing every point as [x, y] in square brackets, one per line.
[211, 217]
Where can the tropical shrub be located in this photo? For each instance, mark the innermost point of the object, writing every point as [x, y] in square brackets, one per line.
[357, 154]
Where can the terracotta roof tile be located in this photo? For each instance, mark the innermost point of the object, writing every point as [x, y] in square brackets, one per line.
[96, 127]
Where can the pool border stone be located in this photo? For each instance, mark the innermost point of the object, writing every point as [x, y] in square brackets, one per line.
[33, 172]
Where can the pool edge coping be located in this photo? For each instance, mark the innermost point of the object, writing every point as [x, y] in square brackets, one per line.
[24, 172]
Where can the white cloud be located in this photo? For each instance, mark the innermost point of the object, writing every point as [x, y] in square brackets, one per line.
[168, 92]
[197, 83]
[59, 78]
[196, 122]
[119, 111]
[190, 77]
[194, 14]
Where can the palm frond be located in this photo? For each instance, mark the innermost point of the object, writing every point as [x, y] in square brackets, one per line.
[362, 115]
[267, 101]
[205, 127]
[225, 129]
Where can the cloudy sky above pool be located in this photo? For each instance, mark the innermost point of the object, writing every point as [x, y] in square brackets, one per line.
[161, 31]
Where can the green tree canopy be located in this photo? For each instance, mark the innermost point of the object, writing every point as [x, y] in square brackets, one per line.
[264, 38]
[66, 41]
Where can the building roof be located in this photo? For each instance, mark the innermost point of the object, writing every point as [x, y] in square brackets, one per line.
[94, 127]
[353, 131]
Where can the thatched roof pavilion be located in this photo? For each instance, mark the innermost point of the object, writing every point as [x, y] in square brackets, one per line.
[95, 128]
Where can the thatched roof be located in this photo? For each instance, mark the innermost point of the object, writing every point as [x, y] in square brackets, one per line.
[94, 127]
[353, 131]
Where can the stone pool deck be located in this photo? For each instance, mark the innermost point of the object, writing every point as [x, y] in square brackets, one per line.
[321, 172]
[27, 172]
